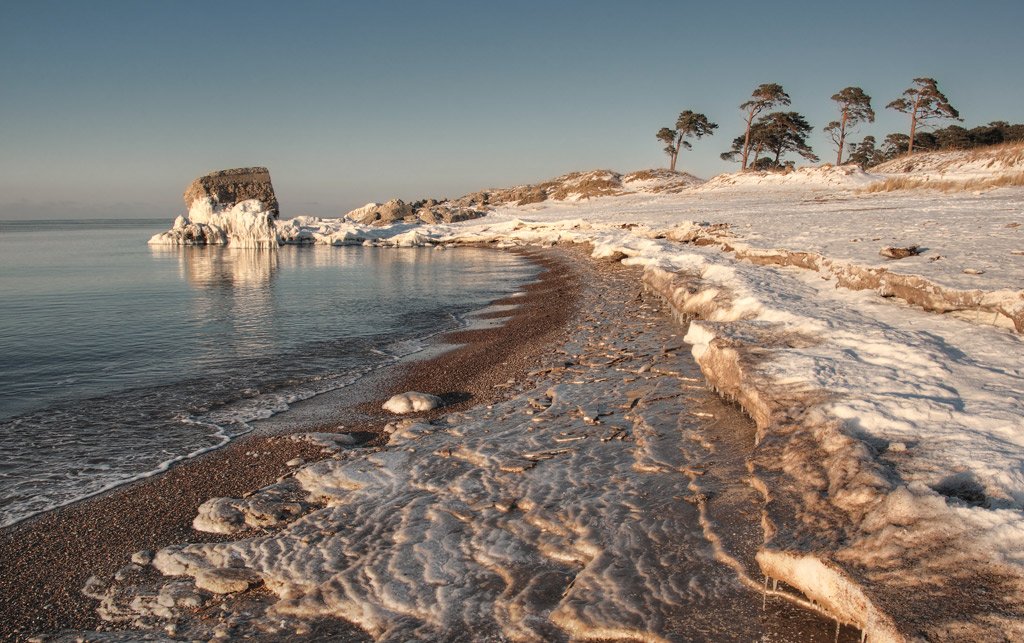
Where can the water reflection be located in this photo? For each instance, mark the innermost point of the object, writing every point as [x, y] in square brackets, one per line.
[221, 267]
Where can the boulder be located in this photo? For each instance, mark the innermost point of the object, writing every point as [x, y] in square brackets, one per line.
[894, 252]
[381, 213]
[225, 188]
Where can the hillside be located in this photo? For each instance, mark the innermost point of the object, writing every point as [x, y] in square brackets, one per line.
[980, 168]
[581, 186]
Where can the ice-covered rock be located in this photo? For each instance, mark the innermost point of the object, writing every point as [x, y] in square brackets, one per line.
[249, 224]
[381, 213]
[226, 580]
[236, 207]
[412, 402]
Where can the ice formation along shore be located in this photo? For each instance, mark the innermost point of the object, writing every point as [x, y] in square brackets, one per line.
[890, 440]
[576, 508]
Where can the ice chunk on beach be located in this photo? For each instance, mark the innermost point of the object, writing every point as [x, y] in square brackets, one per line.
[412, 402]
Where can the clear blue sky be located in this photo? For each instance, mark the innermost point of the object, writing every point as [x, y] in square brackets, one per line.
[110, 108]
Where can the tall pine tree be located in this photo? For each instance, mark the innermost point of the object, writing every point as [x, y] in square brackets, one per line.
[923, 101]
[689, 125]
[765, 97]
[854, 108]
[776, 134]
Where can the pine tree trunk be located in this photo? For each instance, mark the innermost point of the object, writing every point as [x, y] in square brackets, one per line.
[842, 139]
[746, 142]
[672, 163]
[913, 124]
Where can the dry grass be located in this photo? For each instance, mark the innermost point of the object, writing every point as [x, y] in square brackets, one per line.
[1006, 155]
[1011, 153]
[648, 175]
[585, 185]
[893, 184]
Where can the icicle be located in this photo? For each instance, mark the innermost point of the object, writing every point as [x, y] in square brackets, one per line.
[863, 636]
[837, 631]
[764, 594]
[775, 584]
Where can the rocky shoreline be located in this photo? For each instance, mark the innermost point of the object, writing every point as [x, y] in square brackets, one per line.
[591, 458]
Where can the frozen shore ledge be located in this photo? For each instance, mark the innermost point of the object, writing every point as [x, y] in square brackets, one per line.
[890, 445]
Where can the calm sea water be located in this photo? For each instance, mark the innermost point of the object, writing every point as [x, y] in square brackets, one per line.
[117, 358]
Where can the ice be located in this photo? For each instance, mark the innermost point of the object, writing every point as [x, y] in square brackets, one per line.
[247, 224]
[563, 512]
[412, 402]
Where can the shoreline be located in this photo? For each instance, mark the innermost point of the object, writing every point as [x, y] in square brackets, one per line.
[47, 558]
[625, 344]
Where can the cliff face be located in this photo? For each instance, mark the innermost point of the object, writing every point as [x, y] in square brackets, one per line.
[227, 187]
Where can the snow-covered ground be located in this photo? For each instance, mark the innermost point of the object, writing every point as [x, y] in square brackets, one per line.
[890, 447]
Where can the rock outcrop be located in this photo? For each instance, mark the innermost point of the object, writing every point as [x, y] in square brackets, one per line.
[236, 207]
[225, 188]
[425, 211]
[381, 213]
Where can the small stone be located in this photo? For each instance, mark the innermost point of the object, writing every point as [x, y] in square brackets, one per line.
[180, 594]
[295, 462]
[142, 557]
[127, 572]
[896, 252]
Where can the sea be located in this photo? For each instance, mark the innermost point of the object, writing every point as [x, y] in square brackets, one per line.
[118, 359]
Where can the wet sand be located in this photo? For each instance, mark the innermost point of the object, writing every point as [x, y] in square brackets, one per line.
[45, 561]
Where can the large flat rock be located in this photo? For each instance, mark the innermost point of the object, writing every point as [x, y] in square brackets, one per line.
[227, 187]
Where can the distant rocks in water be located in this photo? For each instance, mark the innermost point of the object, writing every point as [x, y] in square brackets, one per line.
[412, 402]
[225, 188]
[896, 252]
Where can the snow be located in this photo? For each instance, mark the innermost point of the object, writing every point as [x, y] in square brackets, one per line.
[890, 438]
[843, 176]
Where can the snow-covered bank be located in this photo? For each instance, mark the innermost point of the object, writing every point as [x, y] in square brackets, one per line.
[890, 442]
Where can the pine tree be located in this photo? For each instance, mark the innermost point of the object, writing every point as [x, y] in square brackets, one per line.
[923, 101]
[865, 154]
[894, 145]
[777, 134]
[782, 132]
[668, 137]
[765, 97]
[689, 125]
[854, 108]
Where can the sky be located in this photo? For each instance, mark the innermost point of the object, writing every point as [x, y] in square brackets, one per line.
[110, 108]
